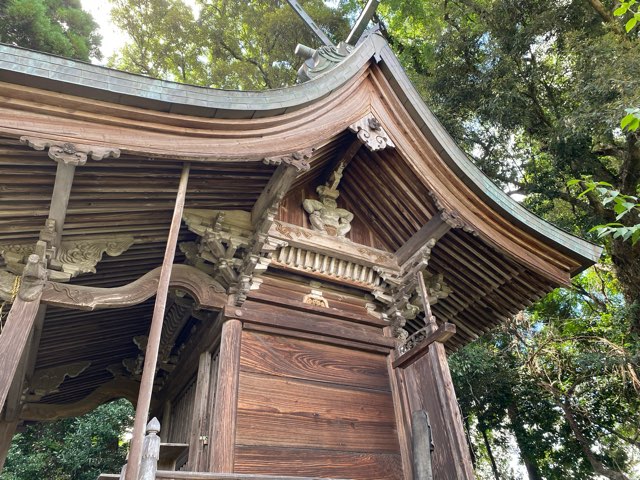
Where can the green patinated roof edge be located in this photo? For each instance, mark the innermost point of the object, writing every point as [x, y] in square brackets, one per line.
[27, 67]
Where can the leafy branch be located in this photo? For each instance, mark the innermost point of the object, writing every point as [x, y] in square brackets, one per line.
[622, 205]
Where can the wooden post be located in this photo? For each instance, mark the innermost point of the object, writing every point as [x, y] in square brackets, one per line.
[199, 411]
[7, 429]
[153, 344]
[223, 425]
[150, 451]
[430, 388]
[19, 324]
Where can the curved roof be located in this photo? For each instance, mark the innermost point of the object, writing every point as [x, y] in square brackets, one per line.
[53, 73]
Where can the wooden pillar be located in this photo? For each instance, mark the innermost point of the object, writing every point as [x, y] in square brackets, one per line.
[223, 425]
[430, 388]
[7, 429]
[19, 324]
[153, 344]
[199, 411]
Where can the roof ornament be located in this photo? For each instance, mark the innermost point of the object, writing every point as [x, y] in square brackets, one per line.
[328, 56]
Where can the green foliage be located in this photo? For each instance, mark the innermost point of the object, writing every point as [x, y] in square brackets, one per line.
[71, 449]
[60, 27]
[235, 44]
[569, 357]
[622, 205]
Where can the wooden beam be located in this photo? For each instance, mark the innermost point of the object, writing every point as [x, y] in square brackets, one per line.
[435, 229]
[442, 334]
[421, 443]
[274, 192]
[155, 332]
[19, 324]
[207, 292]
[228, 476]
[223, 424]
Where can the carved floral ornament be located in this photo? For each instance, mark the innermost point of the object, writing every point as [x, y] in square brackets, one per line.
[371, 134]
[70, 153]
[74, 257]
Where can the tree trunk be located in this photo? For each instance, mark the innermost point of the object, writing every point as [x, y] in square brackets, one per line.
[494, 466]
[585, 444]
[467, 432]
[521, 439]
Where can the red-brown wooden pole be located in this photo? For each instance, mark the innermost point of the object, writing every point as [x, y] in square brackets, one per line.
[153, 344]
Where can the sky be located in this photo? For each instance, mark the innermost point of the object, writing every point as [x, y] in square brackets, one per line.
[112, 37]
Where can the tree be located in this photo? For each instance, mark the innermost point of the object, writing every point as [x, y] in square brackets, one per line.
[60, 27]
[561, 380]
[534, 91]
[71, 449]
[228, 44]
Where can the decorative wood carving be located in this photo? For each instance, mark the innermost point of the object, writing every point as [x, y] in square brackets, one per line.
[7, 286]
[451, 217]
[238, 251]
[299, 160]
[313, 262]
[321, 60]
[116, 388]
[206, 291]
[70, 153]
[371, 134]
[47, 380]
[324, 214]
[74, 257]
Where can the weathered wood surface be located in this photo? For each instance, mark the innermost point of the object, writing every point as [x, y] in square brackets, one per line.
[307, 360]
[206, 291]
[318, 462]
[430, 388]
[334, 246]
[223, 424]
[230, 476]
[7, 430]
[200, 411]
[276, 189]
[401, 409]
[332, 311]
[314, 401]
[155, 332]
[435, 228]
[421, 443]
[288, 397]
[314, 337]
[14, 339]
[308, 322]
[442, 334]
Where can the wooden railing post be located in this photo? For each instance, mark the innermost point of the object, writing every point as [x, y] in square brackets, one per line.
[150, 451]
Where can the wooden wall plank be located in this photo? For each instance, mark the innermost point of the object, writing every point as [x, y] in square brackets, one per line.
[307, 431]
[307, 322]
[318, 463]
[294, 358]
[286, 396]
[200, 410]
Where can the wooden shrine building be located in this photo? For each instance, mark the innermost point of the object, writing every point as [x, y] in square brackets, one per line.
[276, 276]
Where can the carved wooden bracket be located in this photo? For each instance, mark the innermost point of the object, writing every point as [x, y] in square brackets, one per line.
[237, 251]
[47, 380]
[74, 257]
[371, 134]
[206, 291]
[298, 160]
[70, 153]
